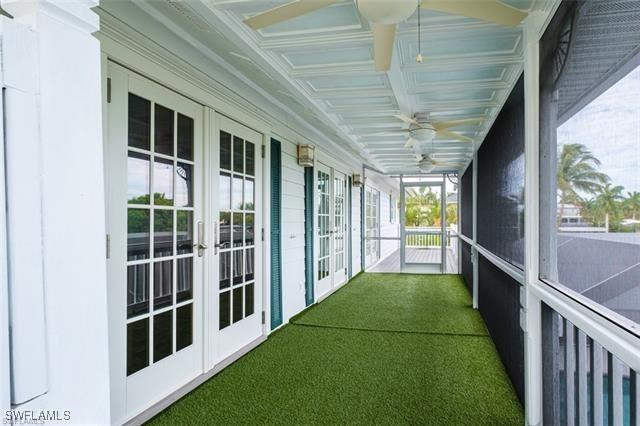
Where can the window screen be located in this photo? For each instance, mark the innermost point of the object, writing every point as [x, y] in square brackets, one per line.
[466, 202]
[500, 188]
[499, 304]
[467, 266]
[590, 152]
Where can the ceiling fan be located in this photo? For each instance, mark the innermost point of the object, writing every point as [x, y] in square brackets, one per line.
[384, 15]
[422, 130]
[426, 163]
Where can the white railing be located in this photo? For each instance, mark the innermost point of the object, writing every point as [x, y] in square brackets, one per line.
[426, 237]
[592, 385]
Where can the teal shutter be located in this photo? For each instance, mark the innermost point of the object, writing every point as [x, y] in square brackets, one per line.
[308, 234]
[349, 208]
[276, 242]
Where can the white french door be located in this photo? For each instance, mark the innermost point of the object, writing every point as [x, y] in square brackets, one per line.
[372, 225]
[339, 227]
[236, 211]
[177, 307]
[331, 229]
[155, 205]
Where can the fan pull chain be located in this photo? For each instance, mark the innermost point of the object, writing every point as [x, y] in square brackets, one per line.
[419, 57]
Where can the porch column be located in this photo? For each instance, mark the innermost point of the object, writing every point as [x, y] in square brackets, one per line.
[59, 64]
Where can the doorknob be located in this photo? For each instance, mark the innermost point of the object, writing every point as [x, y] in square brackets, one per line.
[202, 246]
[216, 238]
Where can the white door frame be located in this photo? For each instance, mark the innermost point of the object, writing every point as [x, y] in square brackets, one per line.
[136, 392]
[249, 329]
[369, 259]
[404, 265]
[325, 286]
[339, 277]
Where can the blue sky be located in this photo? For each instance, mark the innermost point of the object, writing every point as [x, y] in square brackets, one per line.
[610, 128]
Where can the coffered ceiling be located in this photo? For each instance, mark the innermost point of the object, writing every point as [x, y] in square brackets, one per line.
[322, 66]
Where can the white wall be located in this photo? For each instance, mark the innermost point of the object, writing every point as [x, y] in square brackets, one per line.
[72, 205]
[292, 233]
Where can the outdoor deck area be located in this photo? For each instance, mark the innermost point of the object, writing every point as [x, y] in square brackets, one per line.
[419, 256]
[385, 349]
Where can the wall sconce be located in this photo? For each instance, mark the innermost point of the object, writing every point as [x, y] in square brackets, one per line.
[305, 155]
[357, 180]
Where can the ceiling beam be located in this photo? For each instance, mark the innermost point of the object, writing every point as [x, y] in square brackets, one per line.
[398, 84]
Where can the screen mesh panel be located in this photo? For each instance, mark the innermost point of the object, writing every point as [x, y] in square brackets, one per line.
[466, 202]
[500, 210]
[467, 266]
[499, 304]
[590, 153]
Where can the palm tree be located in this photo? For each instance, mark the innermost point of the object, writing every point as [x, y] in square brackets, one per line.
[609, 200]
[632, 204]
[577, 172]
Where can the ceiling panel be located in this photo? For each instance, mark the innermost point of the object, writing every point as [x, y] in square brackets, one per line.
[322, 65]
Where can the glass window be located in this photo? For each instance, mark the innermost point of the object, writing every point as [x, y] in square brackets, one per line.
[590, 156]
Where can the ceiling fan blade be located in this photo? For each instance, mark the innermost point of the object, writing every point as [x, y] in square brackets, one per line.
[452, 135]
[486, 10]
[446, 163]
[443, 125]
[410, 143]
[406, 119]
[384, 37]
[286, 12]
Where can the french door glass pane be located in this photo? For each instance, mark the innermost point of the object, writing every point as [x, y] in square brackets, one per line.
[138, 167]
[138, 225]
[163, 133]
[184, 185]
[185, 279]
[162, 233]
[137, 345]
[137, 290]
[163, 182]
[236, 229]
[184, 326]
[139, 122]
[184, 232]
[162, 335]
[162, 284]
[153, 168]
[185, 137]
[225, 309]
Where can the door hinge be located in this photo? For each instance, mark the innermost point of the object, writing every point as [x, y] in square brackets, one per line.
[263, 317]
[109, 90]
[262, 234]
[263, 151]
[108, 246]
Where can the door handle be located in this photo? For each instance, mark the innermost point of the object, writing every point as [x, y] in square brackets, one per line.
[216, 238]
[202, 246]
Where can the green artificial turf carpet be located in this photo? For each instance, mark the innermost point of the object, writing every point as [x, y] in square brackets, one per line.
[385, 349]
[400, 302]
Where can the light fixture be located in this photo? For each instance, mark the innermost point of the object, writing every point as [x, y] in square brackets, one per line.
[305, 155]
[357, 180]
[426, 164]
